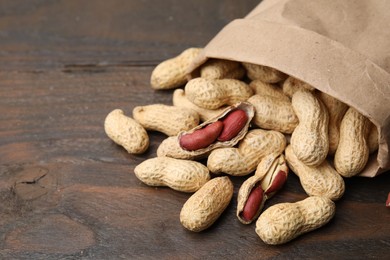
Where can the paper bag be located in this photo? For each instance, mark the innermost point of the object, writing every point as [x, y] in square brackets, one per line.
[341, 47]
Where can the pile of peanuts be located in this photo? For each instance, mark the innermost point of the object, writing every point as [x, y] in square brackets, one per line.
[246, 120]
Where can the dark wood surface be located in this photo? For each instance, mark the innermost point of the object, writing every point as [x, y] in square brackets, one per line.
[68, 192]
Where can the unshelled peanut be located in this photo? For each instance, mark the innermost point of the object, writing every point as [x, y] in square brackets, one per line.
[336, 110]
[172, 73]
[264, 73]
[126, 132]
[273, 113]
[292, 85]
[166, 119]
[215, 93]
[251, 149]
[180, 100]
[310, 141]
[352, 152]
[222, 69]
[322, 180]
[283, 222]
[205, 206]
[180, 175]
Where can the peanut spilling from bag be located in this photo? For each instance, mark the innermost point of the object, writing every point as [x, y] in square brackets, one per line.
[126, 132]
[283, 222]
[310, 141]
[204, 207]
[215, 93]
[353, 151]
[321, 180]
[172, 73]
[180, 175]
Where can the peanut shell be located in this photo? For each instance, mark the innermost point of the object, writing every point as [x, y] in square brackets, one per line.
[205, 206]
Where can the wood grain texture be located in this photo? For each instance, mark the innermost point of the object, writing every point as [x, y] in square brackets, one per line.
[68, 192]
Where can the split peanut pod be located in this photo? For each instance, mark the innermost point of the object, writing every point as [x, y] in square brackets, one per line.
[126, 132]
[321, 180]
[205, 206]
[257, 189]
[283, 222]
[172, 73]
[180, 175]
[244, 159]
[225, 130]
[169, 120]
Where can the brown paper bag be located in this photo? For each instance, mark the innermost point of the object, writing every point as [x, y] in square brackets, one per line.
[341, 47]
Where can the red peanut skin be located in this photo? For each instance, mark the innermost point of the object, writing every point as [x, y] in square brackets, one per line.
[201, 138]
[233, 123]
[388, 201]
[277, 183]
[254, 201]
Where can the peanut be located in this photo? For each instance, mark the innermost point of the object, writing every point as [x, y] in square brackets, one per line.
[310, 141]
[243, 160]
[336, 110]
[283, 222]
[169, 120]
[222, 69]
[352, 152]
[201, 138]
[254, 202]
[215, 93]
[180, 100]
[205, 206]
[257, 189]
[126, 132]
[264, 73]
[233, 123]
[262, 88]
[322, 180]
[273, 113]
[171, 147]
[172, 73]
[292, 85]
[180, 175]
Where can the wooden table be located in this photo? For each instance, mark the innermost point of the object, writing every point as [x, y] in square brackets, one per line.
[67, 191]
